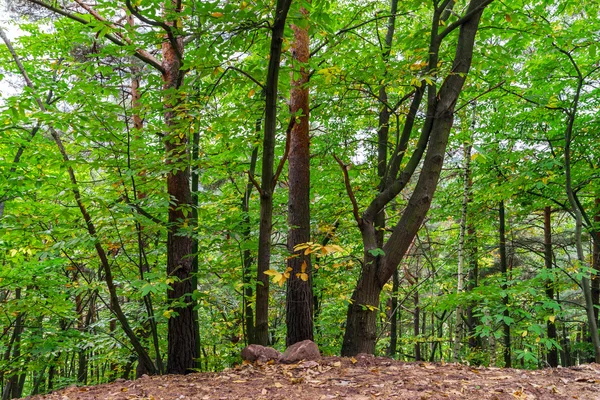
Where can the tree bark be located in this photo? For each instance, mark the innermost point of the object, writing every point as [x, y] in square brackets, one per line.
[267, 184]
[596, 261]
[552, 356]
[181, 333]
[377, 269]
[507, 351]
[299, 299]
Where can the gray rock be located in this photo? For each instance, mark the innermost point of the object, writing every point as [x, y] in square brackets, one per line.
[256, 352]
[304, 350]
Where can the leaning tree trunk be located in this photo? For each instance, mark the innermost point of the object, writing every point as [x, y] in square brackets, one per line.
[299, 299]
[360, 335]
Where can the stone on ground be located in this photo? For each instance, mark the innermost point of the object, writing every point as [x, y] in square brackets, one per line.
[304, 350]
[256, 352]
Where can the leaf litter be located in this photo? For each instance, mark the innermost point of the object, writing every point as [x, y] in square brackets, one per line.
[362, 378]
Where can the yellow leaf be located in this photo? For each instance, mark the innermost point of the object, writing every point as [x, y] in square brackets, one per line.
[524, 334]
[167, 314]
[302, 276]
[353, 360]
[271, 272]
[507, 17]
[303, 267]
[552, 318]
[251, 93]
[217, 14]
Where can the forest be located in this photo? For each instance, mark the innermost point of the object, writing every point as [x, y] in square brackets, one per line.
[182, 178]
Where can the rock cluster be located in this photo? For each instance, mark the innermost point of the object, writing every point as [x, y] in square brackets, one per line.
[306, 350]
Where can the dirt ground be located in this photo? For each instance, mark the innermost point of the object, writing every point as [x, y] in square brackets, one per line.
[360, 378]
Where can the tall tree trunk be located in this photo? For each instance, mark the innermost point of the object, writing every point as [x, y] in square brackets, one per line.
[462, 248]
[299, 299]
[416, 325]
[247, 259]
[576, 211]
[552, 356]
[507, 351]
[394, 319]
[267, 184]
[596, 261]
[360, 334]
[182, 335]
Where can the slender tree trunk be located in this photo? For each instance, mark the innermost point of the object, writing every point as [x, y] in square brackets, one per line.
[299, 299]
[576, 210]
[462, 248]
[416, 324]
[394, 319]
[267, 184]
[596, 261]
[552, 357]
[195, 188]
[247, 259]
[507, 351]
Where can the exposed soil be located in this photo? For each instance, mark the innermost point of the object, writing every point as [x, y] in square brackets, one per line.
[360, 378]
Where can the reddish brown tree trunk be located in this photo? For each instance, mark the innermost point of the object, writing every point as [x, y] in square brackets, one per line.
[299, 300]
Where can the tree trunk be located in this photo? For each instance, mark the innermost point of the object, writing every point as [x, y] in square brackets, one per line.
[462, 248]
[377, 268]
[552, 356]
[181, 333]
[596, 261]
[267, 184]
[394, 319]
[416, 323]
[507, 351]
[299, 299]
[247, 259]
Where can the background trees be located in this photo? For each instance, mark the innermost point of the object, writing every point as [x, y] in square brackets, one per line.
[130, 181]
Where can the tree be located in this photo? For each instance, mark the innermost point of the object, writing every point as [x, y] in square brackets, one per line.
[380, 263]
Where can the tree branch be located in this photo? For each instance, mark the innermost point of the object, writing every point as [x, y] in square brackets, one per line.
[288, 133]
[140, 54]
[350, 192]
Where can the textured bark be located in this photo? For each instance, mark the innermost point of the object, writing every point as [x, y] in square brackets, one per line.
[299, 299]
[267, 184]
[507, 351]
[181, 332]
[247, 258]
[596, 261]
[552, 356]
[361, 317]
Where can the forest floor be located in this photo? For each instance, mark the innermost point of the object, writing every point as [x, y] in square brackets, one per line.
[360, 378]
